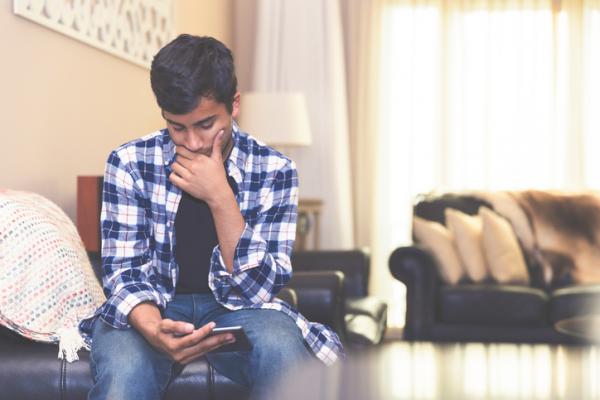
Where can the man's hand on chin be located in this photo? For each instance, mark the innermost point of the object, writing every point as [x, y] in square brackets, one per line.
[200, 175]
[204, 178]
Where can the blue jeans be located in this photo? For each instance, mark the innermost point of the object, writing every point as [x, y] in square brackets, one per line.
[125, 366]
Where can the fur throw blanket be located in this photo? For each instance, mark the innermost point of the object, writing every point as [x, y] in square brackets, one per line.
[47, 284]
[559, 232]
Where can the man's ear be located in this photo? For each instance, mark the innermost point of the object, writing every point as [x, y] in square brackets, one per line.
[235, 109]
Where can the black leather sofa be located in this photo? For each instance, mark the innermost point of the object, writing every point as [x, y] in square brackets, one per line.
[31, 370]
[364, 317]
[480, 312]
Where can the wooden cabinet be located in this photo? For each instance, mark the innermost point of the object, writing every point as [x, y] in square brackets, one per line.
[89, 205]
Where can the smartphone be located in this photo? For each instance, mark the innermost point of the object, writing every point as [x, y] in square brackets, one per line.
[241, 340]
[242, 343]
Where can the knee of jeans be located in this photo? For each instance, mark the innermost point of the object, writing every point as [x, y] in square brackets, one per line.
[120, 359]
[123, 353]
[281, 338]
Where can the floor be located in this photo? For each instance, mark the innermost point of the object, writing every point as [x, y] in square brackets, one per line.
[403, 370]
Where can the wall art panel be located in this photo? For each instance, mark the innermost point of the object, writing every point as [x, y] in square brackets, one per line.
[132, 29]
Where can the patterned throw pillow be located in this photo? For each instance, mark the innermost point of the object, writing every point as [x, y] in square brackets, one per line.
[47, 284]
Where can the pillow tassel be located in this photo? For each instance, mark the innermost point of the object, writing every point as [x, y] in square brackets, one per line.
[70, 342]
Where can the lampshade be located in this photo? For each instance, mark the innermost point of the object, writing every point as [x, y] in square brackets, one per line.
[276, 118]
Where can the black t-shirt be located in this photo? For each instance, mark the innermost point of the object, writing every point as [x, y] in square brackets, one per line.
[195, 239]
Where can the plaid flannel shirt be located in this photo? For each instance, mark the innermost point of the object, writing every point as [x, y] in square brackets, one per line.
[138, 217]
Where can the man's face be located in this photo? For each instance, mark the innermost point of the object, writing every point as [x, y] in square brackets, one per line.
[196, 130]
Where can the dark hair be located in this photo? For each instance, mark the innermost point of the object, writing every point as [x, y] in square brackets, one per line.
[190, 67]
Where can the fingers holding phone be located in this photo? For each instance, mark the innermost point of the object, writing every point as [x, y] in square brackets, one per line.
[226, 338]
[203, 344]
[183, 343]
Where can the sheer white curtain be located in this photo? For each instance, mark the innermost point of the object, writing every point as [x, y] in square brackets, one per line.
[591, 93]
[483, 95]
[287, 45]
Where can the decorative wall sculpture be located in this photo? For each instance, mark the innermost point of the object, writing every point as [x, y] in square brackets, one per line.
[132, 29]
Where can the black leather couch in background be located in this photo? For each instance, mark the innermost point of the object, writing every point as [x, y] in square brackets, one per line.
[364, 317]
[32, 371]
[480, 312]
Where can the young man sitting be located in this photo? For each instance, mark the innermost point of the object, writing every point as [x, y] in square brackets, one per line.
[198, 224]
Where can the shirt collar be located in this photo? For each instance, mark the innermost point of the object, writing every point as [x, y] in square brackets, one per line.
[235, 162]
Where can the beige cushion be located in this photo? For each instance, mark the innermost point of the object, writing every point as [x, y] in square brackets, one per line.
[438, 240]
[501, 248]
[467, 233]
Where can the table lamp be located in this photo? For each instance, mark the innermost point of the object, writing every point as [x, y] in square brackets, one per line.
[280, 119]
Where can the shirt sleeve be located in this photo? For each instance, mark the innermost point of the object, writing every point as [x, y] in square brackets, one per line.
[126, 256]
[261, 264]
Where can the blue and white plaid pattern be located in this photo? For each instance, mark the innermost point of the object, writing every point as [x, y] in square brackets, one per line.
[138, 216]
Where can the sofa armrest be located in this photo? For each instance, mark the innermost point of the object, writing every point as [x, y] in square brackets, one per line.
[366, 321]
[415, 267]
[369, 305]
[321, 297]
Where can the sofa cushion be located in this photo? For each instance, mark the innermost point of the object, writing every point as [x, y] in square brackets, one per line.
[30, 370]
[574, 301]
[493, 305]
[501, 248]
[436, 238]
[467, 231]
